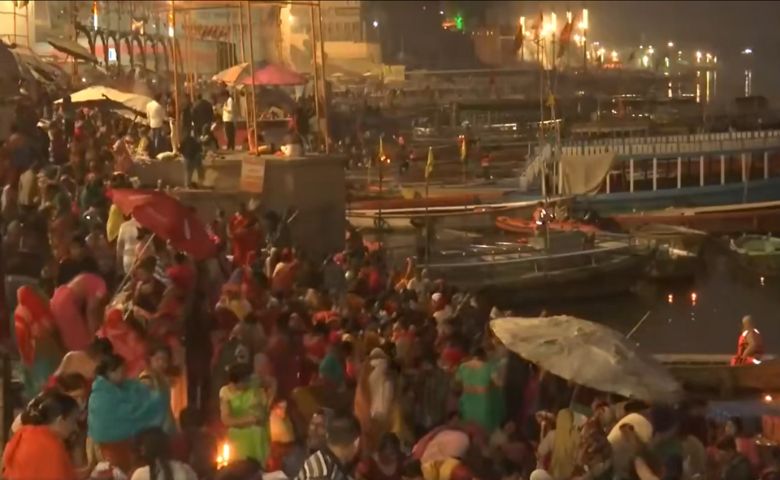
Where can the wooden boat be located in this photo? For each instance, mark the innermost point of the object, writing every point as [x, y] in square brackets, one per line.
[526, 227]
[711, 376]
[527, 274]
[456, 216]
[407, 203]
[759, 217]
[760, 254]
[677, 250]
[486, 190]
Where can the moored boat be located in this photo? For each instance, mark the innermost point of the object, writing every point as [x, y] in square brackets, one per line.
[528, 274]
[712, 376]
[455, 216]
[758, 217]
[677, 250]
[760, 254]
[525, 226]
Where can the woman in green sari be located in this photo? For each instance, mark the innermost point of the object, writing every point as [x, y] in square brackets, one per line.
[477, 405]
[244, 411]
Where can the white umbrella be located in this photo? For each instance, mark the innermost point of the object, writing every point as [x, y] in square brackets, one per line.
[98, 93]
[588, 354]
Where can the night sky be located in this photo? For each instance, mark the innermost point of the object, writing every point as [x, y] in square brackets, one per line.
[726, 28]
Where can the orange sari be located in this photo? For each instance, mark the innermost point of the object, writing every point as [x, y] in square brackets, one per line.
[35, 452]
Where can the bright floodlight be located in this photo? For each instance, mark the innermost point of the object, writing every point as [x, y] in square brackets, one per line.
[375, 23]
[747, 51]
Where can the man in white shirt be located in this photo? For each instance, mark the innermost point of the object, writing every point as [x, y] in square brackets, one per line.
[156, 116]
[227, 121]
[126, 244]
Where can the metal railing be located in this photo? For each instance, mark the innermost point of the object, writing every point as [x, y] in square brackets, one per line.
[672, 144]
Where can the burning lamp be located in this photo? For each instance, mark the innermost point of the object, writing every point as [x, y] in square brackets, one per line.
[223, 459]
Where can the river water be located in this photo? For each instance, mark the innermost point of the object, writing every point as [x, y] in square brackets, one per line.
[698, 316]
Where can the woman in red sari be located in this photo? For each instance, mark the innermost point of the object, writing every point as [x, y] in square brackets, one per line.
[245, 235]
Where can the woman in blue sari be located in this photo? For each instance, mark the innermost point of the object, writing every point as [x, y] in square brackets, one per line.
[118, 410]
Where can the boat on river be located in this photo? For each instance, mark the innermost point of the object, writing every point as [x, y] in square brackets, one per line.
[758, 217]
[711, 376]
[526, 227]
[623, 176]
[677, 250]
[573, 266]
[463, 216]
[758, 253]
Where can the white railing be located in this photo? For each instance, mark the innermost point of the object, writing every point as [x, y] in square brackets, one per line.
[673, 144]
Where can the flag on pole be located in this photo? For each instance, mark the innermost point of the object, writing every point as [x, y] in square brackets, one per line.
[519, 34]
[565, 38]
[537, 27]
[381, 150]
[429, 164]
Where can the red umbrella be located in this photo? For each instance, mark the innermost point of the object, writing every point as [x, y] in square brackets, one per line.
[274, 75]
[167, 218]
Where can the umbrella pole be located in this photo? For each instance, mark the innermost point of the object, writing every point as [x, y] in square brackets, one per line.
[132, 269]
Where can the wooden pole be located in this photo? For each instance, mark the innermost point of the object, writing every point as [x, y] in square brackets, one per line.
[325, 129]
[251, 131]
[175, 126]
[190, 63]
[314, 49]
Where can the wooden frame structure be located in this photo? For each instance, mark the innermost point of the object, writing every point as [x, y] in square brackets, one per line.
[244, 7]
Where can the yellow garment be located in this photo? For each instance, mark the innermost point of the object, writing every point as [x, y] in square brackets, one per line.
[115, 220]
[440, 469]
[564, 452]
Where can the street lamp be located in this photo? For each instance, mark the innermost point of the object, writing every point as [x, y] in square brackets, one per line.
[747, 51]
[650, 50]
[670, 44]
[698, 56]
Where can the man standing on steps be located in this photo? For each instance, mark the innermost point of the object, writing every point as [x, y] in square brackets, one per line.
[227, 121]
[156, 115]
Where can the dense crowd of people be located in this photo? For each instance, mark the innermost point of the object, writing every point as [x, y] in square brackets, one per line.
[140, 363]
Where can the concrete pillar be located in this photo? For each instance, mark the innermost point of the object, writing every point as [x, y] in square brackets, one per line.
[722, 169]
[701, 170]
[766, 165]
[655, 174]
[631, 174]
[679, 172]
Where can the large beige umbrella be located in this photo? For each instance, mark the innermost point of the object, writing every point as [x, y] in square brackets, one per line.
[98, 93]
[232, 75]
[589, 354]
[73, 48]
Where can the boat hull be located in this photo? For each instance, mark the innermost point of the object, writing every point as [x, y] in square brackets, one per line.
[760, 217]
[608, 204]
[526, 227]
[455, 217]
[549, 278]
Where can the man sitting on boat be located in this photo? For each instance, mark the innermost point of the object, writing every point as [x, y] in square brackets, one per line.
[540, 217]
[750, 345]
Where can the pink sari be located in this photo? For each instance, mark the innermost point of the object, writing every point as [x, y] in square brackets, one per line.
[69, 306]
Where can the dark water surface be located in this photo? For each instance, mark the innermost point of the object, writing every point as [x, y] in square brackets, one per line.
[698, 316]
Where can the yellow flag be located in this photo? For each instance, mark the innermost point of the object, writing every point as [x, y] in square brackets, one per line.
[463, 148]
[429, 164]
[381, 150]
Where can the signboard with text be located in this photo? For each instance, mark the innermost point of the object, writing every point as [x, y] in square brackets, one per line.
[252, 174]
